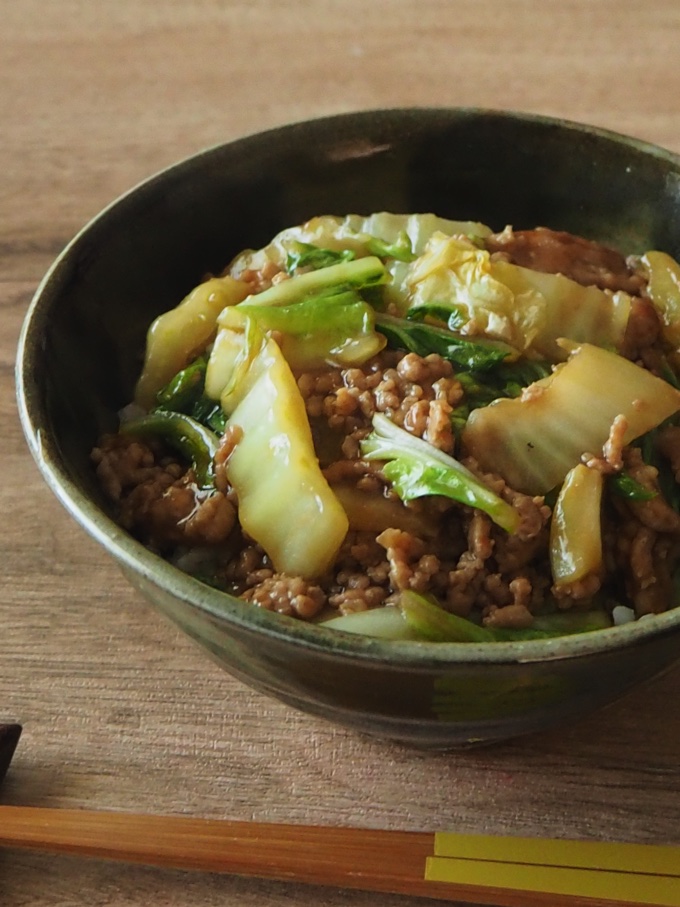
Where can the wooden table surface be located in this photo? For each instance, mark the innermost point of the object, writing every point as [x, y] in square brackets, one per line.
[119, 710]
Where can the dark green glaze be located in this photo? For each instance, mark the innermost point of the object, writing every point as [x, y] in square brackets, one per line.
[80, 354]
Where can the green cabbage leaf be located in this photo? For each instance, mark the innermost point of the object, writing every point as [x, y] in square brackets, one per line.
[417, 469]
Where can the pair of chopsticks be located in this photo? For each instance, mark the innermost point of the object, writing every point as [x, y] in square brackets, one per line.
[507, 872]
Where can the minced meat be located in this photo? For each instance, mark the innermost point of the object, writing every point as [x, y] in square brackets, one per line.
[157, 497]
[557, 252]
[431, 545]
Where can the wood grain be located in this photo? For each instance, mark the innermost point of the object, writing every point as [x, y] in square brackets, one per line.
[120, 711]
[364, 859]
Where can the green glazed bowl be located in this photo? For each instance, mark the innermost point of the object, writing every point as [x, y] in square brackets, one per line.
[80, 350]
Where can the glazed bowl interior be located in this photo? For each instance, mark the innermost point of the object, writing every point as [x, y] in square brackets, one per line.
[83, 340]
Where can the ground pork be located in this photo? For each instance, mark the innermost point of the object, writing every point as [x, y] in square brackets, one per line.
[359, 592]
[669, 446]
[556, 252]
[157, 497]
[643, 558]
[533, 512]
[122, 463]
[229, 440]
[513, 617]
[655, 513]
[417, 393]
[649, 580]
[291, 595]
[611, 460]
[431, 545]
[262, 279]
[580, 590]
[642, 332]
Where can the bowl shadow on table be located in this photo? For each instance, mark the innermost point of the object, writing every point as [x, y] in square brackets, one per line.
[642, 720]
[83, 340]
[41, 775]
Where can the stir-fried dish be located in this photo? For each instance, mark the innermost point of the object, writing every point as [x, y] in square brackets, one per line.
[415, 428]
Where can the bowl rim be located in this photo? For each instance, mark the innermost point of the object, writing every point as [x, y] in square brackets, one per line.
[134, 557]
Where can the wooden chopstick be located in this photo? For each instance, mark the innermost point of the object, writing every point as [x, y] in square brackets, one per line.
[371, 860]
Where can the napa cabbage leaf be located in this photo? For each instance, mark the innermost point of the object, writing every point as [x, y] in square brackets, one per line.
[418, 469]
[533, 440]
[527, 309]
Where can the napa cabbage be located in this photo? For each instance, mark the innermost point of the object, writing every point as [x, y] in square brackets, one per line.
[663, 274]
[533, 440]
[527, 309]
[417, 469]
[396, 239]
[284, 502]
[177, 336]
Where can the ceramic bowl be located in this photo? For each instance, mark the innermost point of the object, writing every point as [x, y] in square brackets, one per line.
[80, 354]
